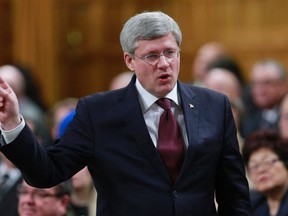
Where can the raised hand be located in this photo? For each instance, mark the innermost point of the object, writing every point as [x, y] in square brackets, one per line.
[9, 107]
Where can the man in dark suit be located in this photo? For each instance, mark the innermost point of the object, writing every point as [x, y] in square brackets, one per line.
[10, 177]
[115, 134]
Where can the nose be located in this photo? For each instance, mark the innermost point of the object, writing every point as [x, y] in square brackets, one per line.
[27, 199]
[163, 61]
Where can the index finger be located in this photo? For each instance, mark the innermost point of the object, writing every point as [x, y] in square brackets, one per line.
[4, 86]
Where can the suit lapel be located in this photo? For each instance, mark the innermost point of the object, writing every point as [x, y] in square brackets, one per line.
[135, 125]
[190, 106]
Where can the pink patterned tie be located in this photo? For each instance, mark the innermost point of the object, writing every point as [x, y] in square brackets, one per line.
[170, 141]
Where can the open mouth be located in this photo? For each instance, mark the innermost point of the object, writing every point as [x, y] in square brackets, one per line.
[164, 76]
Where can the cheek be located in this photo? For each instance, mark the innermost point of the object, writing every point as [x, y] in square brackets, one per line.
[46, 208]
[145, 75]
[282, 177]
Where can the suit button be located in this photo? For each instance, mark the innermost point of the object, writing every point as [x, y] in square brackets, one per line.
[175, 194]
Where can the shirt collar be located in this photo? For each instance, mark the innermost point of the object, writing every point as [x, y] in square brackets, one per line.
[147, 99]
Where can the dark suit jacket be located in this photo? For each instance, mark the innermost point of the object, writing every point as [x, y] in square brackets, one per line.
[109, 134]
[260, 206]
[9, 204]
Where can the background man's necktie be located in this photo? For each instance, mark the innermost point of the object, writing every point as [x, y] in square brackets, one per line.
[3, 181]
[170, 141]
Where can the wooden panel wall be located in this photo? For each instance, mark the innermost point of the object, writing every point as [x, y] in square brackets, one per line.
[5, 32]
[73, 45]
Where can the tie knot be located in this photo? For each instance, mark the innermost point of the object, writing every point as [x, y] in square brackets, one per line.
[165, 103]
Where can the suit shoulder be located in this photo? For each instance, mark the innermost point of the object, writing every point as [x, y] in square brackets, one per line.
[105, 97]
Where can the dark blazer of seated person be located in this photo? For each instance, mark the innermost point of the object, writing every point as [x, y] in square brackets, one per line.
[260, 207]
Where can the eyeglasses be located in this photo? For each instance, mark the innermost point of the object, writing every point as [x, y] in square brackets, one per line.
[264, 164]
[153, 59]
[266, 83]
[37, 194]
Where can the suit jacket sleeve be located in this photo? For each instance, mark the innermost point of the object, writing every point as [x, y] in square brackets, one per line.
[42, 167]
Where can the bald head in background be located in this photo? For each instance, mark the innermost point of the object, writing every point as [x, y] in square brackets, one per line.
[206, 54]
[14, 78]
[121, 80]
[223, 81]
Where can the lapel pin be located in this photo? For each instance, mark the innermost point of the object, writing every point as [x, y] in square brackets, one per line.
[191, 106]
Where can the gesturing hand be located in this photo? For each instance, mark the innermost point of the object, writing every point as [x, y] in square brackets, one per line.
[9, 108]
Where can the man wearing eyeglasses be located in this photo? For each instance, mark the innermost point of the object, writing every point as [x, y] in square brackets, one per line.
[157, 147]
[52, 201]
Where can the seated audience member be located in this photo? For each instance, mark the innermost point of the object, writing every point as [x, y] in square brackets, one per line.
[223, 79]
[230, 64]
[10, 177]
[83, 196]
[32, 88]
[283, 122]
[268, 86]
[205, 55]
[57, 113]
[266, 156]
[52, 201]
[28, 108]
[121, 80]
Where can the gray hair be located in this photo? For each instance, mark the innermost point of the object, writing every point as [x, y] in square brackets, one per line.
[148, 26]
[281, 70]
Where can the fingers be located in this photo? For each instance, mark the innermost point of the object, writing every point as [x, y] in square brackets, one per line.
[1, 101]
[5, 91]
[4, 87]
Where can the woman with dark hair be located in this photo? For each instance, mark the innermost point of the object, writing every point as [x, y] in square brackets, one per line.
[266, 157]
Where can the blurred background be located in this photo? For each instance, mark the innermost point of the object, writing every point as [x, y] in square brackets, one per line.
[72, 46]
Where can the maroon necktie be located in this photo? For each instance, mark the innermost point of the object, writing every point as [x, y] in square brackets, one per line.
[170, 141]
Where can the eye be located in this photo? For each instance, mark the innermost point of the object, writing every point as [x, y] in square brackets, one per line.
[169, 53]
[152, 57]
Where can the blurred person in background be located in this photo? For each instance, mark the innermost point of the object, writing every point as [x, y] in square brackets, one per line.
[56, 114]
[121, 80]
[52, 201]
[224, 75]
[268, 86]
[266, 157]
[83, 195]
[28, 108]
[283, 122]
[205, 55]
[10, 177]
[32, 87]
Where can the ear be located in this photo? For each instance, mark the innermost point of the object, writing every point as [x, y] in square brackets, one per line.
[286, 164]
[129, 61]
[65, 199]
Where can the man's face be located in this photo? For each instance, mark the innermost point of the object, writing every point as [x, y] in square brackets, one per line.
[159, 78]
[40, 202]
[267, 86]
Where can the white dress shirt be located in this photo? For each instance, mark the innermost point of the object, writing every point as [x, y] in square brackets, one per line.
[10, 135]
[152, 112]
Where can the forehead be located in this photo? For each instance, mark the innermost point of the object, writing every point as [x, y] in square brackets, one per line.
[157, 44]
[265, 71]
[262, 154]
